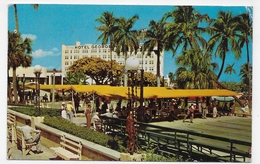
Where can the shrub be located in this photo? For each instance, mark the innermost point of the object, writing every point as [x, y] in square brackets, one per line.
[84, 133]
[31, 111]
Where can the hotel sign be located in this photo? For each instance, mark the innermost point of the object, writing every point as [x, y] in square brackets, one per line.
[92, 46]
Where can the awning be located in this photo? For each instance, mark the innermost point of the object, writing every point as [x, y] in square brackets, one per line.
[120, 92]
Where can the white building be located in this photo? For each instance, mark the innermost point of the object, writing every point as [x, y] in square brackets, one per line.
[71, 53]
[46, 76]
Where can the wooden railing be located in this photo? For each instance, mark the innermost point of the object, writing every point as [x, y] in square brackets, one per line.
[180, 142]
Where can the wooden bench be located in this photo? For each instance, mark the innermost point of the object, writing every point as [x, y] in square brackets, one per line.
[242, 114]
[21, 143]
[69, 149]
[11, 123]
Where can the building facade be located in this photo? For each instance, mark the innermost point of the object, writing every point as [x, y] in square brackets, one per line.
[27, 75]
[71, 53]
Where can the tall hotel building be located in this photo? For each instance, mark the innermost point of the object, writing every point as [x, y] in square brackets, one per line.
[71, 53]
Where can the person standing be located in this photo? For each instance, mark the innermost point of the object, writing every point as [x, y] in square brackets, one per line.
[88, 116]
[29, 138]
[70, 111]
[246, 106]
[76, 102]
[63, 111]
[190, 113]
[231, 107]
[204, 108]
[215, 111]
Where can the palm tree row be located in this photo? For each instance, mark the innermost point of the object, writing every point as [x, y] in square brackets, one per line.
[181, 30]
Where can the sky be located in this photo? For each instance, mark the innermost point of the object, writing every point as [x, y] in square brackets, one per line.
[55, 24]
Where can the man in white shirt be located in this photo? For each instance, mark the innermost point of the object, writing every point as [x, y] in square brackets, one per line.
[29, 137]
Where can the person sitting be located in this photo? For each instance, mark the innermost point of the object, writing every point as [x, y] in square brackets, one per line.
[31, 135]
[96, 122]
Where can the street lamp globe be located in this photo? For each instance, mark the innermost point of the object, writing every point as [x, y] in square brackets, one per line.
[132, 63]
[37, 68]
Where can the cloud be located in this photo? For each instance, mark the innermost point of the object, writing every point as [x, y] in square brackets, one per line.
[55, 49]
[41, 53]
[31, 36]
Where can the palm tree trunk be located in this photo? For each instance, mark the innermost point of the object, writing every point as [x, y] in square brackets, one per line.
[15, 86]
[16, 18]
[125, 71]
[14, 69]
[248, 71]
[9, 90]
[222, 66]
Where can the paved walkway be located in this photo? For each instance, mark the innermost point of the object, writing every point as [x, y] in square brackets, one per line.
[15, 154]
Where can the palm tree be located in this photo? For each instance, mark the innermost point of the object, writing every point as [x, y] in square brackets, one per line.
[35, 6]
[196, 71]
[245, 27]
[18, 55]
[108, 29]
[155, 42]
[171, 77]
[184, 30]
[126, 39]
[229, 70]
[224, 37]
[246, 76]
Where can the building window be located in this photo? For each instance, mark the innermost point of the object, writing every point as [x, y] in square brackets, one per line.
[105, 50]
[104, 56]
[70, 56]
[93, 50]
[151, 69]
[99, 50]
[76, 51]
[66, 68]
[145, 62]
[66, 57]
[152, 55]
[66, 51]
[66, 63]
[71, 51]
[145, 68]
[85, 51]
[150, 61]
[76, 57]
[114, 56]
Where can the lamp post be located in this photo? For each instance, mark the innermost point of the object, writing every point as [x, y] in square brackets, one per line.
[53, 87]
[37, 72]
[142, 78]
[132, 65]
[23, 88]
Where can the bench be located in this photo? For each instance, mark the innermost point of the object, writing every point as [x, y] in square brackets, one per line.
[69, 149]
[21, 143]
[11, 123]
[242, 114]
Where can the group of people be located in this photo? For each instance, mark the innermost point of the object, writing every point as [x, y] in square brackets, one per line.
[67, 111]
[215, 108]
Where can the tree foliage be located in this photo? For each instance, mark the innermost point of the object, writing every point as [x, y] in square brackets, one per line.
[96, 68]
[19, 51]
[75, 78]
